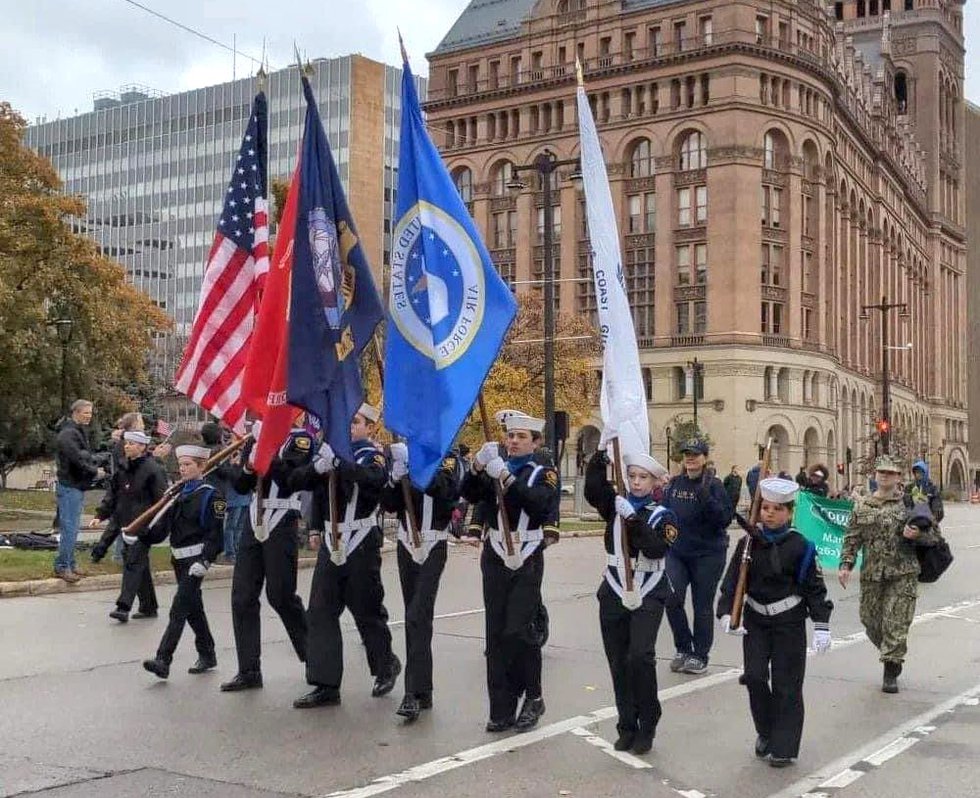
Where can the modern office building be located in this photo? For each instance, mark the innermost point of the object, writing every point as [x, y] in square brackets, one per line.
[775, 167]
[155, 169]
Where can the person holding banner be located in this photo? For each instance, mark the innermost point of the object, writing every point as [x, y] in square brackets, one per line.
[268, 553]
[348, 567]
[785, 586]
[513, 566]
[630, 624]
[422, 534]
[889, 573]
[193, 521]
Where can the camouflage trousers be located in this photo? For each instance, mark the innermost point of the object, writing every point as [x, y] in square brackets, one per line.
[887, 610]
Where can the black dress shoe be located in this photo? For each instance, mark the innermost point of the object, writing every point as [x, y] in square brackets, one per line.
[494, 726]
[203, 664]
[625, 741]
[781, 761]
[409, 709]
[242, 681]
[157, 667]
[139, 614]
[318, 697]
[120, 615]
[761, 747]
[532, 710]
[643, 742]
[425, 700]
[385, 683]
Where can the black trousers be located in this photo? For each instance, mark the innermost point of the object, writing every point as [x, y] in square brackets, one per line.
[630, 640]
[137, 579]
[420, 584]
[188, 607]
[511, 599]
[272, 563]
[355, 585]
[775, 664]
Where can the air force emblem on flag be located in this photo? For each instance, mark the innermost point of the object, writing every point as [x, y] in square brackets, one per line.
[437, 291]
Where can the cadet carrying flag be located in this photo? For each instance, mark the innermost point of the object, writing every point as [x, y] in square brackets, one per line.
[448, 309]
[623, 399]
[334, 307]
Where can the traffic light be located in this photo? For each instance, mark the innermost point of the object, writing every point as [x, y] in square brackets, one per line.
[883, 427]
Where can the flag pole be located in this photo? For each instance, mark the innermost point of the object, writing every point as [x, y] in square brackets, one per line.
[624, 537]
[498, 488]
[413, 522]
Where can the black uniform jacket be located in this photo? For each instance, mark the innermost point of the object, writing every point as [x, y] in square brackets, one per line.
[779, 569]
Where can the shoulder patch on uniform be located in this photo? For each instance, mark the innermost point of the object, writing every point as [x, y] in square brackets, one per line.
[551, 478]
[379, 459]
[449, 464]
[303, 443]
[219, 505]
[670, 533]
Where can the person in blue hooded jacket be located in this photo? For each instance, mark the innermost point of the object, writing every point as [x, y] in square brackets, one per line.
[697, 558]
[922, 490]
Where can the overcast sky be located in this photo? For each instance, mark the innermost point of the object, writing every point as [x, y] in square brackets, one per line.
[54, 54]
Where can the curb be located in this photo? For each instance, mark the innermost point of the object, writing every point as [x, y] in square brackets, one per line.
[47, 587]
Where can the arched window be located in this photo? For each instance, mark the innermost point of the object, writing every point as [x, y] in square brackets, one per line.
[693, 152]
[501, 175]
[775, 150]
[641, 159]
[902, 92]
[463, 178]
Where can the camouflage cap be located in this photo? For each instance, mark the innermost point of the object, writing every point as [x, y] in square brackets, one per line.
[888, 463]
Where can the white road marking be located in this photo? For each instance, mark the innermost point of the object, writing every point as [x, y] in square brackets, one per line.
[427, 770]
[844, 771]
[607, 747]
[460, 614]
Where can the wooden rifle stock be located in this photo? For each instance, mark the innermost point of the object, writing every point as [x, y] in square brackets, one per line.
[210, 465]
[624, 537]
[499, 489]
[738, 600]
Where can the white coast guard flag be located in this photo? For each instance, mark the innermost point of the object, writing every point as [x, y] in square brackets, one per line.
[623, 401]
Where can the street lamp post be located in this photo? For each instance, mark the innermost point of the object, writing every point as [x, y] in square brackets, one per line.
[546, 164]
[63, 328]
[883, 307]
[697, 369]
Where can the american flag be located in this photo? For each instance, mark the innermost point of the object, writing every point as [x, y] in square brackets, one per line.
[163, 429]
[211, 371]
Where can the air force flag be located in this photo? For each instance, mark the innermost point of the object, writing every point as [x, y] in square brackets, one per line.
[448, 309]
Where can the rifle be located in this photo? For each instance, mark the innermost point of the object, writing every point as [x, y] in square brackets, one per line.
[512, 559]
[630, 598]
[738, 600]
[210, 465]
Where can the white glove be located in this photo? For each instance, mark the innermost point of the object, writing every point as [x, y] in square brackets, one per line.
[821, 640]
[496, 468]
[256, 429]
[487, 453]
[323, 464]
[399, 452]
[129, 540]
[624, 508]
[726, 622]
[197, 569]
[399, 469]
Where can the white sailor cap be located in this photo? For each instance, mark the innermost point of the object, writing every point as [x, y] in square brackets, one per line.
[780, 491]
[646, 462]
[369, 412]
[501, 416]
[523, 421]
[136, 436]
[197, 452]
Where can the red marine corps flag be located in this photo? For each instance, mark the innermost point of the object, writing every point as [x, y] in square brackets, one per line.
[211, 371]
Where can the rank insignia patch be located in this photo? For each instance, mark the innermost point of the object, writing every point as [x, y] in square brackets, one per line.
[220, 505]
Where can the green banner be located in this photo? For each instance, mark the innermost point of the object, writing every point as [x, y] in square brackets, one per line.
[824, 522]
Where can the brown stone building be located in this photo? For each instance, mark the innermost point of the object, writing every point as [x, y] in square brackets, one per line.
[972, 195]
[775, 166]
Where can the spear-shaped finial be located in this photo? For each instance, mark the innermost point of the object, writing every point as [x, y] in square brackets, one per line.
[401, 44]
[578, 72]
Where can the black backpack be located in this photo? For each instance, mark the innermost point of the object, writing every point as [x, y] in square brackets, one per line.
[933, 560]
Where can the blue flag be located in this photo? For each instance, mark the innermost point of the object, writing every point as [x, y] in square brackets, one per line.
[334, 307]
[448, 310]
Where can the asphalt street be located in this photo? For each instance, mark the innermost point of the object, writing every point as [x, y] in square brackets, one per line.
[79, 717]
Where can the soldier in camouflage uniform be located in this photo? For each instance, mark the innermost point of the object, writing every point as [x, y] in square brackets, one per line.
[889, 574]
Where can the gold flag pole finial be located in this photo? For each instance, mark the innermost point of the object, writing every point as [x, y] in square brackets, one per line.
[578, 72]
